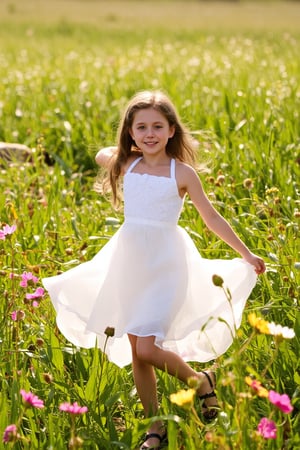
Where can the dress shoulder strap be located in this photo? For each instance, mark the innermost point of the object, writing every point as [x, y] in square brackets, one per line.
[133, 164]
[173, 168]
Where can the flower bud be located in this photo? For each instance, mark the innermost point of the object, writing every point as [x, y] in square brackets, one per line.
[109, 331]
[217, 280]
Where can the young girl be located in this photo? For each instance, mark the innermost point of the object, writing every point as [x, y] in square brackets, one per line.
[149, 282]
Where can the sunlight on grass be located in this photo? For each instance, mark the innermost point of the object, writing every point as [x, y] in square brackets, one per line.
[66, 74]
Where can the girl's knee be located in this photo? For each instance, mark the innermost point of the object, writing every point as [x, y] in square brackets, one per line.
[145, 350]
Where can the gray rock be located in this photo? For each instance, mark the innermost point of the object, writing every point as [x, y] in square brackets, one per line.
[14, 153]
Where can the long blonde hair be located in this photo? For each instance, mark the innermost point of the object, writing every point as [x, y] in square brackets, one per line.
[180, 146]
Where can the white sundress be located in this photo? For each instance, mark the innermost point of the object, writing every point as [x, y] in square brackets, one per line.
[150, 279]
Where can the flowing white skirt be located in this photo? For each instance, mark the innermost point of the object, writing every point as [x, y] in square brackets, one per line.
[151, 280]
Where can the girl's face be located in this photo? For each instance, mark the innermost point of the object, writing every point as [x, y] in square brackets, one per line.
[151, 131]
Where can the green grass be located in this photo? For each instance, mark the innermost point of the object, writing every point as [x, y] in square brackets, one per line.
[67, 69]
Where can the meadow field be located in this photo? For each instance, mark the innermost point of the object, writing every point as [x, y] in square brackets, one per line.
[67, 68]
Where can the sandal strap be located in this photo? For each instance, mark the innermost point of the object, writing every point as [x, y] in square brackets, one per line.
[209, 395]
[208, 378]
[154, 435]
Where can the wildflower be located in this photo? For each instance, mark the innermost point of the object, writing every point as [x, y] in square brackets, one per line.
[267, 428]
[30, 399]
[10, 433]
[28, 278]
[272, 190]
[257, 387]
[194, 382]
[217, 280]
[282, 402]
[220, 180]
[278, 330]
[6, 230]
[39, 342]
[17, 316]
[73, 408]
[39, 292]
[260, 324]
[209, 437]
[248, 183]
[109, 331]
[48, 378]
[184, 398]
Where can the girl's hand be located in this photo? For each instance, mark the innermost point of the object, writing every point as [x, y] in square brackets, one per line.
[257, 262]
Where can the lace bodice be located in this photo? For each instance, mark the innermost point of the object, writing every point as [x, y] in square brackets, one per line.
[150, 197]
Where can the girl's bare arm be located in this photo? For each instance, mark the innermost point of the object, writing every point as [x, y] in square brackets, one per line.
[188, 180]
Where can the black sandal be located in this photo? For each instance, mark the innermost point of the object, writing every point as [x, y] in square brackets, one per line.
[210, 412]
[162, 441]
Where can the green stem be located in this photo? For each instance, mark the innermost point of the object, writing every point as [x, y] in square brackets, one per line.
[271, 361]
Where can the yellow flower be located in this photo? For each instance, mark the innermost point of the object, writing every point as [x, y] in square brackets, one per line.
[257, 387]
[252, 319]
[260, 324]
[272, 190]
[184, 398]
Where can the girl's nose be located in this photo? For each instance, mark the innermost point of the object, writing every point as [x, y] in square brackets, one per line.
[149, 131]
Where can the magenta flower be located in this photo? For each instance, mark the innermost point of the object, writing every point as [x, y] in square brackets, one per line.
[73, 408]
[39, 292]
[30, 399]
[6, 230]
[28, 278]
[282, 402]
[17, 315]
[267, 428]
[10, 433]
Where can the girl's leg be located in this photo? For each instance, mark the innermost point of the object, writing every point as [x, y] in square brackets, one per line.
[145, 356]
[168, 361]
[145, 382]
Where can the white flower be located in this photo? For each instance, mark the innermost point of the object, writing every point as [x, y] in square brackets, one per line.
[68, 126]
[278, 330]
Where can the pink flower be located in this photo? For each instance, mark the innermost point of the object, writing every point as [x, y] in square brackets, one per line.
[267, 428]
[30, 399]
[39, 292]
[10, 433]
[17, 315]
[28, 278]
[73, 409]
[282, 402]
[6, 230]
[257, 387]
